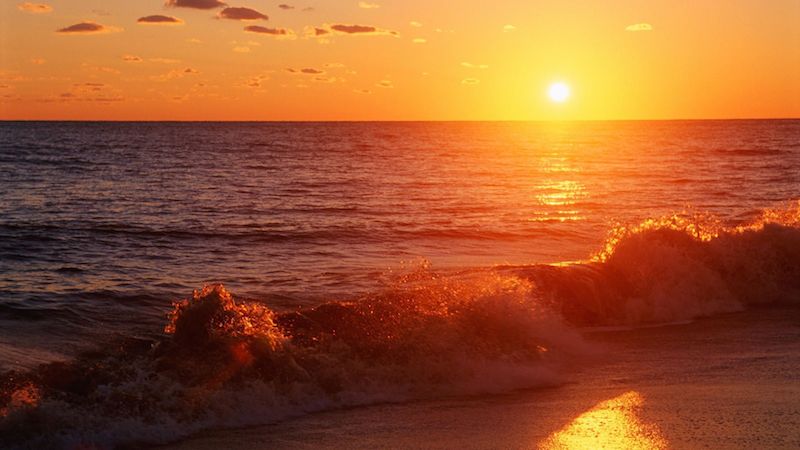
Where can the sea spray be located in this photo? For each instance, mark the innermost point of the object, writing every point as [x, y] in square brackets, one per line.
[227, 362]
[676, 268]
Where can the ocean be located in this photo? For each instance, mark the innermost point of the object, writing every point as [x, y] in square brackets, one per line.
[159, 280]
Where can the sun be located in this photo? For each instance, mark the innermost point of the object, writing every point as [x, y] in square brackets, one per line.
[558, 92]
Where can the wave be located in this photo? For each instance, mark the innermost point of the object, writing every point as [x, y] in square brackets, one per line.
[678, 268]
[225, 362]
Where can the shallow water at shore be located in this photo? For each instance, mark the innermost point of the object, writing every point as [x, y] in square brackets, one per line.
[727, 382]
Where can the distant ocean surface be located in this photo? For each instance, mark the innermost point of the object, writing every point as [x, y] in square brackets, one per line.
[103, 225]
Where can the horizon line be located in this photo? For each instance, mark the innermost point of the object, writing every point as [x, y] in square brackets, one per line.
[401, 120]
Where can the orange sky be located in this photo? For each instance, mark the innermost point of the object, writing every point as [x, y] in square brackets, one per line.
[398, 59]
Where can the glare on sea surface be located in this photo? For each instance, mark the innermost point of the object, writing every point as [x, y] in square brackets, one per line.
[558, 92]
[612, 424]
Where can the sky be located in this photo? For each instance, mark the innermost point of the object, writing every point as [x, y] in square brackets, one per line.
[398, 59]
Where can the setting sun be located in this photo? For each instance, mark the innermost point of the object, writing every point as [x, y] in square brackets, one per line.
[558, 92]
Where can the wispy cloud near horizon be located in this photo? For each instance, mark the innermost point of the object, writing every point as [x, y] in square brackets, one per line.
[35, 8]
[195, 4]
[158, 19]
[639, 27]
[88, 28]
[277, 33]
[242, 14]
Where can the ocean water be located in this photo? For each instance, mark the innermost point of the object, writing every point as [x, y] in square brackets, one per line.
[368, 262]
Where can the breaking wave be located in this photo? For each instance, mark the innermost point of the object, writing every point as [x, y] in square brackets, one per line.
[678, 268]
[227, 362]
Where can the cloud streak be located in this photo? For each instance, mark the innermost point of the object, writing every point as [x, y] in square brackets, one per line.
[195, 4]
[639, 27]
[306, 71]
[474, 66]
[35, 8]
[277, 33]
[241, 14]
[87, 28]
[343, 29]
[158, 19]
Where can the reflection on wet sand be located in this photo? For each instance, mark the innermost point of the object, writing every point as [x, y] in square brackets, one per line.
[611, 424]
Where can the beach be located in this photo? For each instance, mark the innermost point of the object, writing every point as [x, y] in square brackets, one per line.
[728, 382]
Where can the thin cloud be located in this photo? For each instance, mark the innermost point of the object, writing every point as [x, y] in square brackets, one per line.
[256, 82]
[87, 28]
[639, 27]
[474, 66]
[88, 87]
[174, 74]
[470, 81]
[239, 13]
[164, 60]
[132, 58]
[325, 79]
[362, 91]
[241, 49]
[367, 5]
[419, 40]
[103, 69]
[509, 29]
[306, 71]
[38, 61]
[158, 19]
[35, 8]
[316, 31]
[196, 4]
[352, 30]
[415, 24]
[277, 33]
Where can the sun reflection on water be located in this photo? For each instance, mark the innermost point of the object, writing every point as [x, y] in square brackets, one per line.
[558, 195]
[612, 424]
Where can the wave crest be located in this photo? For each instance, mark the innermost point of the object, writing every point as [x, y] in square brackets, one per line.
[679, 268]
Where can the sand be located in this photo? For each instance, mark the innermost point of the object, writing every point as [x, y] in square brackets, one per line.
[731, 381]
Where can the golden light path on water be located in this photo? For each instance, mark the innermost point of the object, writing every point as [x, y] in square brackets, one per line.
[611, 424]
[558, 194]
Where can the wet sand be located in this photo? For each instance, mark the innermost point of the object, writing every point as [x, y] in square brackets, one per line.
[731, 381]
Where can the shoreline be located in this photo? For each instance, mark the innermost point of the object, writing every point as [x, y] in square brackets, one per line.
[719, 382]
